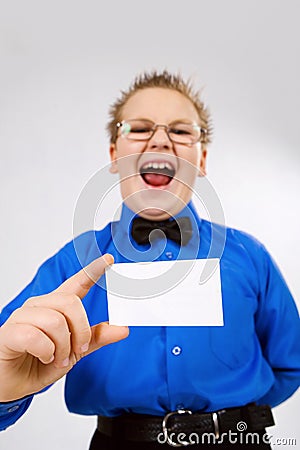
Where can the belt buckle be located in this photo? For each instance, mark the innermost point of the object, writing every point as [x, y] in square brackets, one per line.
[216, 421]
[165, 427]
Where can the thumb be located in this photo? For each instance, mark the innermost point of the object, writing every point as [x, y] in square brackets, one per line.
[104, 334]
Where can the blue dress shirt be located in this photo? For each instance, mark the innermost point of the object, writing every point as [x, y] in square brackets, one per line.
[254, 357]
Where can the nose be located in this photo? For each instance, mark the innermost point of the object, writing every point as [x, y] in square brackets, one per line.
[160, 138]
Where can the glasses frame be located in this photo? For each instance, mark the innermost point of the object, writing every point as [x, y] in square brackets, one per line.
[201, 138]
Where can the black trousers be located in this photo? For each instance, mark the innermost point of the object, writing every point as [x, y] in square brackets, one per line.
[103, 442]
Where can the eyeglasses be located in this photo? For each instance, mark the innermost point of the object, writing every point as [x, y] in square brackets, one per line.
[177, 132]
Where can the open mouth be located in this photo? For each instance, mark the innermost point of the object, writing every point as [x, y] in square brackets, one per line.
[157, 173]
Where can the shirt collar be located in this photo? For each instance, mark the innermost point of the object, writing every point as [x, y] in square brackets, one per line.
[127, 215]
[121, 235]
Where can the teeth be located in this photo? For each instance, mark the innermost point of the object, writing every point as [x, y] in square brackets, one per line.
[154, 165]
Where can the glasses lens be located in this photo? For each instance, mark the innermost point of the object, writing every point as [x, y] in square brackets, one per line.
[184, 133]
[137, 130]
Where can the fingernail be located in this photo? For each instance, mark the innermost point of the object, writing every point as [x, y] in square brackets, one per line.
[84, 348]
[65, 362]
[108, 258]
[50, 360]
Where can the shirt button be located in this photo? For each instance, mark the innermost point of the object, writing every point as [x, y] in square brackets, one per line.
[13, 408]
[169, 255]
[176, 350]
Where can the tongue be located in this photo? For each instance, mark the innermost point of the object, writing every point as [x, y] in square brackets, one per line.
[156, 179]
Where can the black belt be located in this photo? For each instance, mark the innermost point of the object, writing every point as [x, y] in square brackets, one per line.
[140, 427]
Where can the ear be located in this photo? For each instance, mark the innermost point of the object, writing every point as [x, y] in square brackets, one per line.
[113, 158]
[202, 165]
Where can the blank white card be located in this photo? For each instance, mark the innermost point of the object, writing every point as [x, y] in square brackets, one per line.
[165, 293]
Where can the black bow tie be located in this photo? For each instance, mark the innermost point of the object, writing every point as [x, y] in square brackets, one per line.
[179, 230]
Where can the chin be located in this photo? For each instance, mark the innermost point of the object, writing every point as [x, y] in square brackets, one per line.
[154, 214]
[160, 205]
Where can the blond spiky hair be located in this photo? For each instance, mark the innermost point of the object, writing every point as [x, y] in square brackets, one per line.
[165, 80]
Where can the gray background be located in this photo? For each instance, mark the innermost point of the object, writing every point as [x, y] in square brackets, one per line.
[63, 62]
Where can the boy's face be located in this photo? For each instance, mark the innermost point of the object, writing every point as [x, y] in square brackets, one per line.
[157, 196]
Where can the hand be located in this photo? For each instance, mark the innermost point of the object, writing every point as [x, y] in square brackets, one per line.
[42, 340]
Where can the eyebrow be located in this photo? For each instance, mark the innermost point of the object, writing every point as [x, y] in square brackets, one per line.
[187, 121]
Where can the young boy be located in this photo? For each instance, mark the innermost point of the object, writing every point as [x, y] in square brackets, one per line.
[161, 386]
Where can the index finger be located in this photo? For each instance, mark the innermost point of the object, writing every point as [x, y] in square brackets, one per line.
[80, 283]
